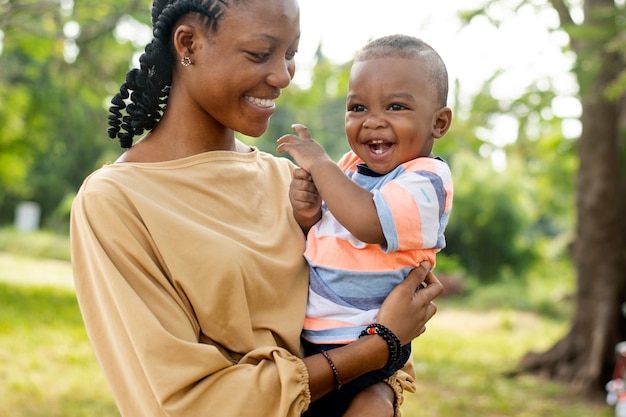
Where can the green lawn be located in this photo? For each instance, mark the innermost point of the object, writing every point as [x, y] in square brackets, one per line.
[47, 367]
[463, 359]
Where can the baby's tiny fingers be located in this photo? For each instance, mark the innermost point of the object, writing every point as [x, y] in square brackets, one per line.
[302, 131]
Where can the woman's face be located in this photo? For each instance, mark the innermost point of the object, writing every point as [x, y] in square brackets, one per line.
[240, 70]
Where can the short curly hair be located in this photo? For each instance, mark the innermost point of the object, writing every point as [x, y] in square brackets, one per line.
[405, 46]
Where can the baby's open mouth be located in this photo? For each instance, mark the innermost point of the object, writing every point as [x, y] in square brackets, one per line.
[379, 146]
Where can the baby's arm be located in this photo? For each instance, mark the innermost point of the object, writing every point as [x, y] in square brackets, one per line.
[352, 205]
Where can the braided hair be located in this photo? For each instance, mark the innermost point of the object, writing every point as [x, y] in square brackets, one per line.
[146, 88]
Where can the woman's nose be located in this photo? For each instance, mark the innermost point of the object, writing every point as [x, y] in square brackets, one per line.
[281, 74]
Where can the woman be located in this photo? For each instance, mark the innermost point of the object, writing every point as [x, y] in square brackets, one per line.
[187, 259]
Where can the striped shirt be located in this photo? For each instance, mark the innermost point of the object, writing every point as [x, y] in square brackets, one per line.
[349, 279]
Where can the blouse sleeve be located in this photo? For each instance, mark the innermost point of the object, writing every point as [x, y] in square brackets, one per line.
[145, 335]
[402, 380]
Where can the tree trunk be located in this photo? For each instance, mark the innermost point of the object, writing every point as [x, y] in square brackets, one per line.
[585, 356]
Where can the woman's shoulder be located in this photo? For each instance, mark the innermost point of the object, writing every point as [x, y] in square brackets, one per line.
[272, 160]
[102, 183]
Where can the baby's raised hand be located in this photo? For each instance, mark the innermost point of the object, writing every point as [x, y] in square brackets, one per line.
[302, 148]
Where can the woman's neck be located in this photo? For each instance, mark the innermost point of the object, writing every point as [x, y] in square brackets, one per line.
[176, 138]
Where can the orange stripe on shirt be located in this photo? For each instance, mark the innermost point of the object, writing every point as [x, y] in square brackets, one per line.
[421, 164]
[449, 192]
[406, 216]
[337, 253]
[313, 323]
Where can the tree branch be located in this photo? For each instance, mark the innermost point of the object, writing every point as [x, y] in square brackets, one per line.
[564, 14]
[567, 23]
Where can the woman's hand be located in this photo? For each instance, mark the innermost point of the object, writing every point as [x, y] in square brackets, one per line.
[409, 306]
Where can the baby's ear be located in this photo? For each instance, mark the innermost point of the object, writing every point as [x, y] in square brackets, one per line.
[442, 122]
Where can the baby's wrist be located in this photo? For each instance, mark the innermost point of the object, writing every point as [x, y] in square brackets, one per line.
[320, 164]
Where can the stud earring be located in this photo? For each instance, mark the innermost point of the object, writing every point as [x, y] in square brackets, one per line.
[185, 61]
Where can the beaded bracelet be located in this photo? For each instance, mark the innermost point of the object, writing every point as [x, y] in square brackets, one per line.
[334, 369]
[393, 343]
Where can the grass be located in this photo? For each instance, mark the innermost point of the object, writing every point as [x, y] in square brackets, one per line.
[47, 367]
[40, 244]
[463, 359]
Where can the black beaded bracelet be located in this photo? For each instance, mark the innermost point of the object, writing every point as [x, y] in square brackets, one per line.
[334, 369]
[393, 343]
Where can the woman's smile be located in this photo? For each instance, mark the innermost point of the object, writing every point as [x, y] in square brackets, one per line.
[261, 102]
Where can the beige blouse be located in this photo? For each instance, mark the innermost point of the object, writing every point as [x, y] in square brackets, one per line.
[192, 285]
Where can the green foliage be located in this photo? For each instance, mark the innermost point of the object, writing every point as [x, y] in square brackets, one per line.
[618, 46]
[490, 214]
[15, 159]
[499, 216]
[52, 118]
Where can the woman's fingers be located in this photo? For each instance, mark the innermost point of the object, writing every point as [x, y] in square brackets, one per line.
[407, 309]
[430, 284]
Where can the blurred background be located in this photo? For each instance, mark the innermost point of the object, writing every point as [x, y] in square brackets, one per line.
[535, 265]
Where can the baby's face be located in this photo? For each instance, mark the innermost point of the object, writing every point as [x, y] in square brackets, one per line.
[391, 111]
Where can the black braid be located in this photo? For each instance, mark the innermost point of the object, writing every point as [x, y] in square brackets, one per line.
[148, 86]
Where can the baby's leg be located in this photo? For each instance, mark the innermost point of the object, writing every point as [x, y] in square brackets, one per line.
[373, 401]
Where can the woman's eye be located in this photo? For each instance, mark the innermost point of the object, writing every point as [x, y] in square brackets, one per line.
[259, 56]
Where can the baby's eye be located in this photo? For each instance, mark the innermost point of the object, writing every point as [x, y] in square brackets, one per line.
[356, 108]
[291, 55]
[396, 107]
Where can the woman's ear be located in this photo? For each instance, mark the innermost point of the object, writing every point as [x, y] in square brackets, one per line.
[183, 39]
[442, 122]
